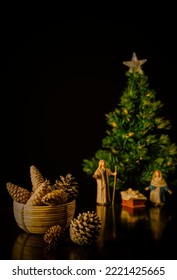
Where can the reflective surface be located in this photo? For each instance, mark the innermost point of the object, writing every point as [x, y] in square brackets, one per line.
[126, 233]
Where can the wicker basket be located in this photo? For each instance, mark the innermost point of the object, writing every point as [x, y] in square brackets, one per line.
[37, 219]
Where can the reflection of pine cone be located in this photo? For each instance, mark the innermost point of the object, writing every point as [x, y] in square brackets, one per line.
[56, 197]
[53, 235]
[36, 177]
[18, 193]
[36, 197]
[85, 229]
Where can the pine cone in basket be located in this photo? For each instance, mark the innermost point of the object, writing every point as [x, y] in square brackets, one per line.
[18, 193]
[36, 177]
[68, 185]
[55, 197]
[53, 235]
[36, 197]
[85, 228]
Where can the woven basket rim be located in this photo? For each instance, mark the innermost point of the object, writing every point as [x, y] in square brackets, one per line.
[39, 206]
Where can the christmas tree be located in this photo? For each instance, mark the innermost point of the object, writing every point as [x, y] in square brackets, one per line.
[137, 140]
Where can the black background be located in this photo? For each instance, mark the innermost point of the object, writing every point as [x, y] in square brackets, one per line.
[58, 80]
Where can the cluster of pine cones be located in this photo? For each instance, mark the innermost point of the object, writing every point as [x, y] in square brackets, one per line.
[83, 230]
[43, 192]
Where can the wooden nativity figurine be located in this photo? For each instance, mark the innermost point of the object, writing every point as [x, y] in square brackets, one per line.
[158, 188]
[101, 175]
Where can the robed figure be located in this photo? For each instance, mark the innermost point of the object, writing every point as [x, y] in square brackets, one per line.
[101, 175]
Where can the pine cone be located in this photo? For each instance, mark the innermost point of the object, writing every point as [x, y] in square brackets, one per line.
[68, 185]
[56, 197]
[36, 177]
[18, 193]
[85, 229]
[53, 235]
[36, 197]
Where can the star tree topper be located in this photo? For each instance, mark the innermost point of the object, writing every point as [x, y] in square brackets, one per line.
[135, 64]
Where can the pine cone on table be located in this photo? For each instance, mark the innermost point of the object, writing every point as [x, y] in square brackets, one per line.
[84, 229]
[53, 235]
